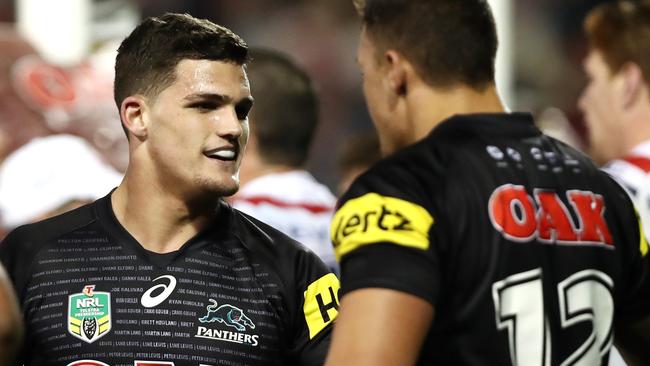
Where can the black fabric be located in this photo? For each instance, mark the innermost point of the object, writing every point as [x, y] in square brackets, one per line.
[246, 281]
[468, 265]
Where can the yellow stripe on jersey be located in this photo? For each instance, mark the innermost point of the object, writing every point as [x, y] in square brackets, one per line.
[643, 243]
[321, 303]
[373, 218]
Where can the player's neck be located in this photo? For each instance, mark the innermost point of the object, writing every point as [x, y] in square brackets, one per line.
[255, 167]
[428, 107]
[159, 221]
[637, 128]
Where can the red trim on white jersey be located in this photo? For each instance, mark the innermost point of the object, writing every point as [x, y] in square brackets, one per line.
[313, 208]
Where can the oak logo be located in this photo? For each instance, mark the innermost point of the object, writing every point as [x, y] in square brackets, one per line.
[87, 363]
[545, 217]
[321, 303]
[373, 218]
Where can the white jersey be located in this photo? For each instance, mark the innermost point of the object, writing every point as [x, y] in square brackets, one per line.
[633, 173]
[294, 203]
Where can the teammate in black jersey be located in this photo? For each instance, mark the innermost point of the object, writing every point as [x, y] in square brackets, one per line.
[477, 240]
[160, 271]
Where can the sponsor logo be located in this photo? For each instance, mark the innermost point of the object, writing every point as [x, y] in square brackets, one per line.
[544, 216]
[230, 316]
[89, 314]
[373, 218]
[321, 303]
[149, 301]
[87, 363]
[494, 152]
[514, 154]
[152, 363]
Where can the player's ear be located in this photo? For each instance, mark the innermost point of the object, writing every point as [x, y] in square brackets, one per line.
[397, 72]
[633, 82]
[132, 115]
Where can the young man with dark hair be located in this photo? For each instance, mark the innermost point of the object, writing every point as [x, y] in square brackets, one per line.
[161, 270]
[477, 240]
[276, 188]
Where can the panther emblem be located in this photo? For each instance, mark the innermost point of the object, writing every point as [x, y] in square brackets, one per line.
[231, 316]
[89, 327]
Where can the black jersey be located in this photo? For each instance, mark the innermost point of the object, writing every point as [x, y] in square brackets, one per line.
[525, 249]
[239, 293]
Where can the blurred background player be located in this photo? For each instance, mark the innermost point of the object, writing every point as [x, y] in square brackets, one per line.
[276, 188]
[616, 101]
[11, 324]
[357, 153]
[51, 175]
[477, 239]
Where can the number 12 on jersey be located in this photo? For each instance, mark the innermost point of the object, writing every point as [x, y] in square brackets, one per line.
[585, 296]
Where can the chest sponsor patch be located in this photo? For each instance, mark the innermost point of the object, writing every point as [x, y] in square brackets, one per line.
[373, 218]
[89, 314]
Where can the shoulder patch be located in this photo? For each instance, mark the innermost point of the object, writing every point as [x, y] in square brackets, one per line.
[373, 218]
[321, 303]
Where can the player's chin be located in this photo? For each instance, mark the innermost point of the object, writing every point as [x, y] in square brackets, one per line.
[218, 187]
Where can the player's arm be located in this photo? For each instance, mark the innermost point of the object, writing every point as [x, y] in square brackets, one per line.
[379, 327]
[11, 328]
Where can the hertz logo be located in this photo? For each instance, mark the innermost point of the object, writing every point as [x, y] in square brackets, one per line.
[321, 305]
[373, 218]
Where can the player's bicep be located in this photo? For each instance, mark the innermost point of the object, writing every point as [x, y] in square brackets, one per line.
[379, 327]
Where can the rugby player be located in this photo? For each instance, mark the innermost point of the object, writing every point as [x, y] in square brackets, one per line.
[161, 271]
[477, 240]
[276, 188]
[616, 100]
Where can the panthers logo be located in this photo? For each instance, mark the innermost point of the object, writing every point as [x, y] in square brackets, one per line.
[229, 315]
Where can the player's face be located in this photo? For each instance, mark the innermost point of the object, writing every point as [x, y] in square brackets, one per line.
[601, 105]
[381, 100]
[199, 128]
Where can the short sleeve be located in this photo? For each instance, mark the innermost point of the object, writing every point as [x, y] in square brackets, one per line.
[384, 234]
[316, 293]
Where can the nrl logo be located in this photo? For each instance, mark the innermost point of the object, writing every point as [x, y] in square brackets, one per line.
[89, 314]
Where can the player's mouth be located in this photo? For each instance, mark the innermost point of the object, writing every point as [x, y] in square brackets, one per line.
[227, 153]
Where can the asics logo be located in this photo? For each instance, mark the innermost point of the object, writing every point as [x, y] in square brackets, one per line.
[149, 301]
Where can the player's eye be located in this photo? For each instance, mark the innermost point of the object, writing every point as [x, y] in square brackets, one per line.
[205, 106]
[243, 108]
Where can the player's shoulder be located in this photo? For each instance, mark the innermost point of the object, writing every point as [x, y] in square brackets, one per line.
[29, 236]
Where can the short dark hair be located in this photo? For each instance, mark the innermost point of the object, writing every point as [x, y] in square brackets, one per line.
[285, 114]
[146, 60]
[621, 32]
[449, 42]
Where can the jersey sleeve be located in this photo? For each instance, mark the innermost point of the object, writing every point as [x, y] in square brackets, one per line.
[384, 233]
[316, 293]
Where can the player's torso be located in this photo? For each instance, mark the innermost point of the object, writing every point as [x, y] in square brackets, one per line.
[529, 262]
[91, 298]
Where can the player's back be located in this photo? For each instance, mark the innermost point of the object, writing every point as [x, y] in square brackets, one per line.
[531, 252]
